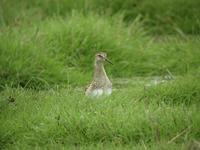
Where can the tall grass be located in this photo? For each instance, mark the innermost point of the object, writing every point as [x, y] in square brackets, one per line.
[165, 16]
[60, 50]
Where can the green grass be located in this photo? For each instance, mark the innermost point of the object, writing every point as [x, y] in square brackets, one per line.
[185, 91]
[162, 16]
[132, 116]
[57, 51]
[46, 59]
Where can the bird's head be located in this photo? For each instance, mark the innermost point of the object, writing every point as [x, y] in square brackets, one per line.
[102, 57]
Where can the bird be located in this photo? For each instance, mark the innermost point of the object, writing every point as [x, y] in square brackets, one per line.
[100, 85]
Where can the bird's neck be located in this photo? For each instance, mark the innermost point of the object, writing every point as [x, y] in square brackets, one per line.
[99, 72]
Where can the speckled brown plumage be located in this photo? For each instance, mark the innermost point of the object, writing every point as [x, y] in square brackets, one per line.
[100, 84]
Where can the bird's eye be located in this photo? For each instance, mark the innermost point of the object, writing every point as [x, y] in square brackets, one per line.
[100, 55]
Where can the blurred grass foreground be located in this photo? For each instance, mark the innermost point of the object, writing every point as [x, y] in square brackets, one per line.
[47, 49]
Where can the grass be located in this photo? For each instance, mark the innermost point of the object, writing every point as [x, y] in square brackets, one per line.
[131, 116]
[161, 16]
[46, 59]
[58, 51]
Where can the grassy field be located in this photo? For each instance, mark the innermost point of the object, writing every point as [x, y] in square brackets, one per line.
[46, 53]
[158, 116]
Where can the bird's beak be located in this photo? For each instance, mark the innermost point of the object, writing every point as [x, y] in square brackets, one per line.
[108, 61]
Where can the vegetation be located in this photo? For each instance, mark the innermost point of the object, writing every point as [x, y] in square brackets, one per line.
[131, 116]
[46, 53]
[163, 16]
[39, 55]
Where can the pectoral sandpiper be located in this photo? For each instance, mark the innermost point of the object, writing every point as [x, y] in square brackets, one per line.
[100, 85]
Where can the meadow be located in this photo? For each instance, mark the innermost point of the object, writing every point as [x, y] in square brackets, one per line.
[46, 59]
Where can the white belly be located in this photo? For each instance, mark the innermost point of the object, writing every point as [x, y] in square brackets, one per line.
[99, 92]
[108, 91]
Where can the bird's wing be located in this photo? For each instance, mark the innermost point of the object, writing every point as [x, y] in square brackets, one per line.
[87, 87]
[91, 86]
